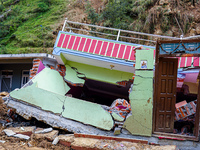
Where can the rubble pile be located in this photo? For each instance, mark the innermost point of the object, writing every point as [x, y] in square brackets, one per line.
[51, 139]
[18, 134]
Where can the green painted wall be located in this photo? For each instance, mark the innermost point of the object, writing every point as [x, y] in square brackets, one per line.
[71, 75]
[98, 73]
[141, 97]
[75, 109]
[144, 55]
[51, 80]
[93, 72]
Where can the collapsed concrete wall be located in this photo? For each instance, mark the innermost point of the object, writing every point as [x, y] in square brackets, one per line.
[55, 102]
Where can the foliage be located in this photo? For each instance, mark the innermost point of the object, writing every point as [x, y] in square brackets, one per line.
[28, 26]
[122, 13]
[92, 15]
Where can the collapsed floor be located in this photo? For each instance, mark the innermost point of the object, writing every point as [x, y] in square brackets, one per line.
[36, 135]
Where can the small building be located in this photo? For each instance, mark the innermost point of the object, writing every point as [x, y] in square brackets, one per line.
[15, 69]
[113, 85]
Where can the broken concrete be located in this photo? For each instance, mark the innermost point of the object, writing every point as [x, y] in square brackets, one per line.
[43, 130]
[117, 131]
[12, 133]
[52, 88]
[52, 119]
[9, 132]
[21, 136]
[66, 139]
[141, 96]
[89, 71]
[117, 117]
[55, 141]
[51, 80]
[1, 141]
[49, 135]
[23, 130]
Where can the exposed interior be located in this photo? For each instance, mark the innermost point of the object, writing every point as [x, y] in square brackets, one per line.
[100, 92]
[186, 100]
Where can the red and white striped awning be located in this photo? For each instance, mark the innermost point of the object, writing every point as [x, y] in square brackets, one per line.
[99, 46]
[187, 61]
[110, 48]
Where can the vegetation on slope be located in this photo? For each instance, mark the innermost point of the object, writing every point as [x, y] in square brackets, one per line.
[164, 17]
[26, 26]
[29, 26]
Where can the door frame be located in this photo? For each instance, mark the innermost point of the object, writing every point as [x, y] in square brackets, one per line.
[8, 77]
[156, 81]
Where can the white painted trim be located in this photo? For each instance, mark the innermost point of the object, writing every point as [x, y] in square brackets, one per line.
[124, 51]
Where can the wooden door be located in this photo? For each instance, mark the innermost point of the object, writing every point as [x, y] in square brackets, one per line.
[166, 94]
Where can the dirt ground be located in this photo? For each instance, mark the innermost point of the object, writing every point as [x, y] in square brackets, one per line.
[12, 143]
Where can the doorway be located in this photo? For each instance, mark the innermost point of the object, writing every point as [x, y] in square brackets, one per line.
[167, 103]
[166, 96]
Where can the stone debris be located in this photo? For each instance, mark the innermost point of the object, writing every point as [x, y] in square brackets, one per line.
[21, 136]
[9, 132]
[66, 139]
[4, 94]
[117, 131]
[44, 130]
[23, 130]
[29, 144]
[83, 141]
[51, 135]
[55, 141]
[1, 141]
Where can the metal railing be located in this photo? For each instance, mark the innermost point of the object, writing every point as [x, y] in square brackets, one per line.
[132, 36]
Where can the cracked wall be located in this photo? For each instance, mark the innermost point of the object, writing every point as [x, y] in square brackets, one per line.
[141, 96]
[92, 72]
[42, 94]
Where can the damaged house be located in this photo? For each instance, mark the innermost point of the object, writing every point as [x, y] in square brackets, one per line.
[102, 86]
[15, 69]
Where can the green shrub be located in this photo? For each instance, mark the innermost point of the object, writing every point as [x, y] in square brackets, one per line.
[42, 7]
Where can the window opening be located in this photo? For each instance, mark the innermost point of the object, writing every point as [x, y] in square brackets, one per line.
[6, 80]
[25, 77]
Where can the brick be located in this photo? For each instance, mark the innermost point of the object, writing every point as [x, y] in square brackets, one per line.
[110, 138]
[185, 110]
[66, 140]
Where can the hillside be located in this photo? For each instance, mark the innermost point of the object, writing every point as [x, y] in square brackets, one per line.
[29, 26]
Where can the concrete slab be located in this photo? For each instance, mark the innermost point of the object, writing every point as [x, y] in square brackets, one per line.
[57, 121]
[52, 81]
[72, 108]
[117, 117]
